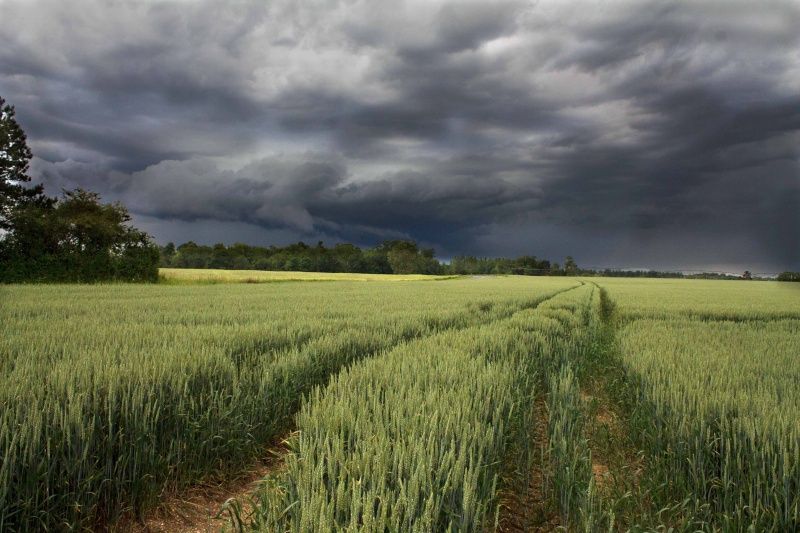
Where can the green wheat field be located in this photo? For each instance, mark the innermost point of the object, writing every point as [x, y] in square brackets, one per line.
[418, 404]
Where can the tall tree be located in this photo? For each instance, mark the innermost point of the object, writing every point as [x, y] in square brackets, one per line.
[570, 267]
[402, 256]
[14, 159]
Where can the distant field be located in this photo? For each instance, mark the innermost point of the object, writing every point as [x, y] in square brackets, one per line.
[210, 276]
[521, 402]
[734, 299]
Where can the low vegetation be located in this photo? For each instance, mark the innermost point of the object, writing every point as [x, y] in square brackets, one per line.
[612, 404]
[718, 414]
[110, 393]
[415, 440]
[706, 375]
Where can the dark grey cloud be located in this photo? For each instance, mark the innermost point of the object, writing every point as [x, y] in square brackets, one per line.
[659, 134]
[308, 195]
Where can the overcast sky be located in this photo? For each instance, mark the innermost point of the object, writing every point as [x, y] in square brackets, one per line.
[626, 134]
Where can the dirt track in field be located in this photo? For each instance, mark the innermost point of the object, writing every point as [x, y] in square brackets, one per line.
[195, 509]
[528, 508]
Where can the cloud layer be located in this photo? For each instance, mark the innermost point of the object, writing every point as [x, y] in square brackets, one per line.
[659, 135]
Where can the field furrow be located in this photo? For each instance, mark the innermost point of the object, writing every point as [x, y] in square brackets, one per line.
[491, 404]
[134, 390]
[708, 379]
[417, 439]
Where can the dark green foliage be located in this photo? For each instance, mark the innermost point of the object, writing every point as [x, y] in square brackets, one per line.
[789, 276]
[77, 239]
[570, 268]
[14, 157]
[526, 265]
[166, 254]
[617, 273]
[402, 257]
[389, 257]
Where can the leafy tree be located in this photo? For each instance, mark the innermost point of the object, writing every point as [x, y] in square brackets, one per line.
[402, 256]
[402, 261]
[190, 255]
[526, 265]
[139, 258]
[347, 258]
[556, 270]
[570, 268]
[31, 251]
[167, 253]
[355, 263]
[91, 227]
[97, 243]
[304, 264]
[376, 261]
[76, 239]
[221, 257]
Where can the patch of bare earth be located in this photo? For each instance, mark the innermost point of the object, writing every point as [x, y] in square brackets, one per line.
[195, 509]
[600, 419]
[615, 463]
[526, 506]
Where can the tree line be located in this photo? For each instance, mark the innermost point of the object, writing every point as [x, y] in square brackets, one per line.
[388, 257]
[76, 238]
[616, 273]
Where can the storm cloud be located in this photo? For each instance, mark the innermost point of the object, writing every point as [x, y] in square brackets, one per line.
[626, 134]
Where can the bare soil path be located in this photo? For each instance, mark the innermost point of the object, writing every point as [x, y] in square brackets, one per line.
[195, 509]
[528, 508]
